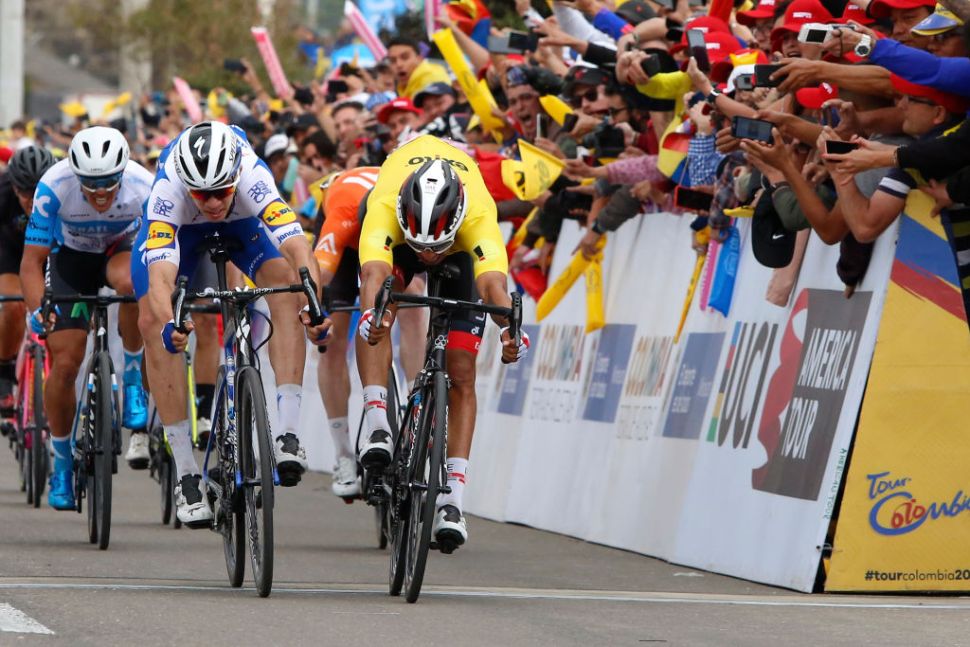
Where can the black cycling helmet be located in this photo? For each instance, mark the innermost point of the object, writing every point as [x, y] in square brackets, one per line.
[431, 206]
[28, 165]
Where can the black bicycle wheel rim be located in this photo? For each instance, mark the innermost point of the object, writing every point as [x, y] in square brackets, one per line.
[399, 505]
[164, 486]
[229, 514]
[257, 471]
[104, 443]
[87, 485]
[38, 447]
[429, 460]
[20, 446]
[393, 411]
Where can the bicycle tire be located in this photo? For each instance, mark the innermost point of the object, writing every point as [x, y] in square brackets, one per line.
[22, 421]
[165, 485]
[399, 504]
[429, 460]
[40, 460]
[393, 420]
[233, 528]
[104, 420]
[86, 484]
[257, 472]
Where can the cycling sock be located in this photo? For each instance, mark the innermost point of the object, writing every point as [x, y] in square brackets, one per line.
[179, 440]
[63, 459]
[204, 393]
[288, 398]
[375, 408]
[340, 432]
[456, 481]
[132, 374]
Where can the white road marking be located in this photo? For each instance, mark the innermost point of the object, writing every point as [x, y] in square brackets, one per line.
[689, 574]
[656, 597]
[16, 621]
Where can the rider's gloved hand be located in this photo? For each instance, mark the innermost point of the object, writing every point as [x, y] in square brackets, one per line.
[508, 353]
[368, 329]
[167, 340]
[366, 323]
[35, 322]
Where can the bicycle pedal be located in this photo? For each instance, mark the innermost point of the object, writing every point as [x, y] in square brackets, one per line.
[197, 525]
[446, 546]
[289, 476]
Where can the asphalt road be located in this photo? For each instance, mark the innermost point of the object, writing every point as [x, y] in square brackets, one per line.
[509, 586]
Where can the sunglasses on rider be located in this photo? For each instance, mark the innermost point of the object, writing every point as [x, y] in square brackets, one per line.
[106, 183]
[218, 194]
[438, 248]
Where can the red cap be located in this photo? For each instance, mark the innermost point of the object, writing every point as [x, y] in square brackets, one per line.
[953, 103]
[707, 24]
[5, 154]
[882, 8]
[854, 12]
[401, 103]
[764, 10]
[721, 70]
[813, 98]
[800, 12]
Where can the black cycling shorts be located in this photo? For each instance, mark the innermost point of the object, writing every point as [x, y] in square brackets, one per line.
[344, 288]
[72, 272]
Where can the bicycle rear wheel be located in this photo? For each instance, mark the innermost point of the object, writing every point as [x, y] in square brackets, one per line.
[425, 481]
[39, 457]
[253, 430]
[104, 447]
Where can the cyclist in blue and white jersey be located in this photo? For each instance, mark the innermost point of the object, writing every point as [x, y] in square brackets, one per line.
[86, 212]
[210, 180]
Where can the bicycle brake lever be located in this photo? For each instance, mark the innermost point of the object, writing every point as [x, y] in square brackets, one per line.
[310, 290]
[382, 300]
[178, 304]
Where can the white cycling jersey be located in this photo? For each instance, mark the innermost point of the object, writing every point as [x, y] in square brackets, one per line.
[170, 206]
[62, 217]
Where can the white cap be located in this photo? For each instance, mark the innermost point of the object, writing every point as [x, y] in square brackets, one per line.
[278, 143]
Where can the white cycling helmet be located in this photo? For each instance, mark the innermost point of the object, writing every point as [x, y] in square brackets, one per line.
[431, 207]
[207, 156]
[98, 152]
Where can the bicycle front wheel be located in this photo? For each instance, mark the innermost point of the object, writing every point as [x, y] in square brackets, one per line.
[230, 518]
[253, 429]
[425, 480]
[103, 417]
[39, 458]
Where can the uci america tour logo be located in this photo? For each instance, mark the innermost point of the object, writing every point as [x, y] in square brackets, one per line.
[896, 510]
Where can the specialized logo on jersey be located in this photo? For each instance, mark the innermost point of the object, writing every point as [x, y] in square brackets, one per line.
[160, 234]
[278, 214]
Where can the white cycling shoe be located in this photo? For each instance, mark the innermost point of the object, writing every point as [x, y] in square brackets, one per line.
[137, 455]
[192, 506]
[449, 530]
[346, 483]
[377, 452]
[290, 459]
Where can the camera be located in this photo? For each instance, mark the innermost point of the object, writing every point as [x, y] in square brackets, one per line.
[606, 140]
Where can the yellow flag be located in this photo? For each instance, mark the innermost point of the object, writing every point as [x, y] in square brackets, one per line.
[323, 64]
[595, 313]
[698, 268]
[541, 169]
[212, 102]
[558, 289]
[480, 99]
[513, 176]
[73, 109]
[123, 99]
[555, 107]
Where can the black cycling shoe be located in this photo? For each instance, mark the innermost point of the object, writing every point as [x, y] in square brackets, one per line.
[376, 454]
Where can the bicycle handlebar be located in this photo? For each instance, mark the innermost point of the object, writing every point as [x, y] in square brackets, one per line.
[316, 312]
[10, 297]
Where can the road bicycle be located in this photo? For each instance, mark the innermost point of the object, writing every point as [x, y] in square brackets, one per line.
[417, 472]
[96, 433]
[240, 486]
[161, 464]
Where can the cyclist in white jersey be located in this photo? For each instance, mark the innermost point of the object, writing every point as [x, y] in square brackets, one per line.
[86, 212]
[210, 180]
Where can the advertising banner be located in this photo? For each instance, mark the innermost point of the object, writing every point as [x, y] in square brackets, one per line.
[903, 519]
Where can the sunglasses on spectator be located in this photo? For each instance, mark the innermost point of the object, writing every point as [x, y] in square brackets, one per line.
[591, 95]
[951, 33]
[219, 194]
[107, 183]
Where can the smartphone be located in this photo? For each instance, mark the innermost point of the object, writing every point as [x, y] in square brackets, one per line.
[234, 65]
[836, 147]
[540, 125]
[513, 42]
[304, 95]
[829, 116]
[762, 74]
[744, 82]
[569, 122]
[651, 65]
[698, 49]
[692, 200]
[756, 129]
[337, 86]
[814, 32]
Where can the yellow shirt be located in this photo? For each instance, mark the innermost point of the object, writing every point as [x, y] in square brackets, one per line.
[478, 235]
[424, 75]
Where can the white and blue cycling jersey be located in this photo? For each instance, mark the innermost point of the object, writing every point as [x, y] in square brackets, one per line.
[174, 225]
[62, 216]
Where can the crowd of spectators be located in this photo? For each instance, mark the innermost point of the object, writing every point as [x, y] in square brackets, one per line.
[654, 126]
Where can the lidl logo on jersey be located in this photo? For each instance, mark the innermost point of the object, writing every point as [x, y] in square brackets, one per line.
[278, 214]
[160, 234]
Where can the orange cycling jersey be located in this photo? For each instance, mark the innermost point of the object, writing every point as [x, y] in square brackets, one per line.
[341, 228]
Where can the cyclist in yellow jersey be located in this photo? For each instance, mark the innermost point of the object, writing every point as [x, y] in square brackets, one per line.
[430, 204]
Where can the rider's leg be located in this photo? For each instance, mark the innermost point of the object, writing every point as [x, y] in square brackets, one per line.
[333, 377]
[66, 349]
[414, 330]
[462, 408]
[287, 354]
[12, 315]
[205, 361]
[373, 362]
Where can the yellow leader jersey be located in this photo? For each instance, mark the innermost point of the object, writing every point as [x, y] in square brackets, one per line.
[478, 235]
